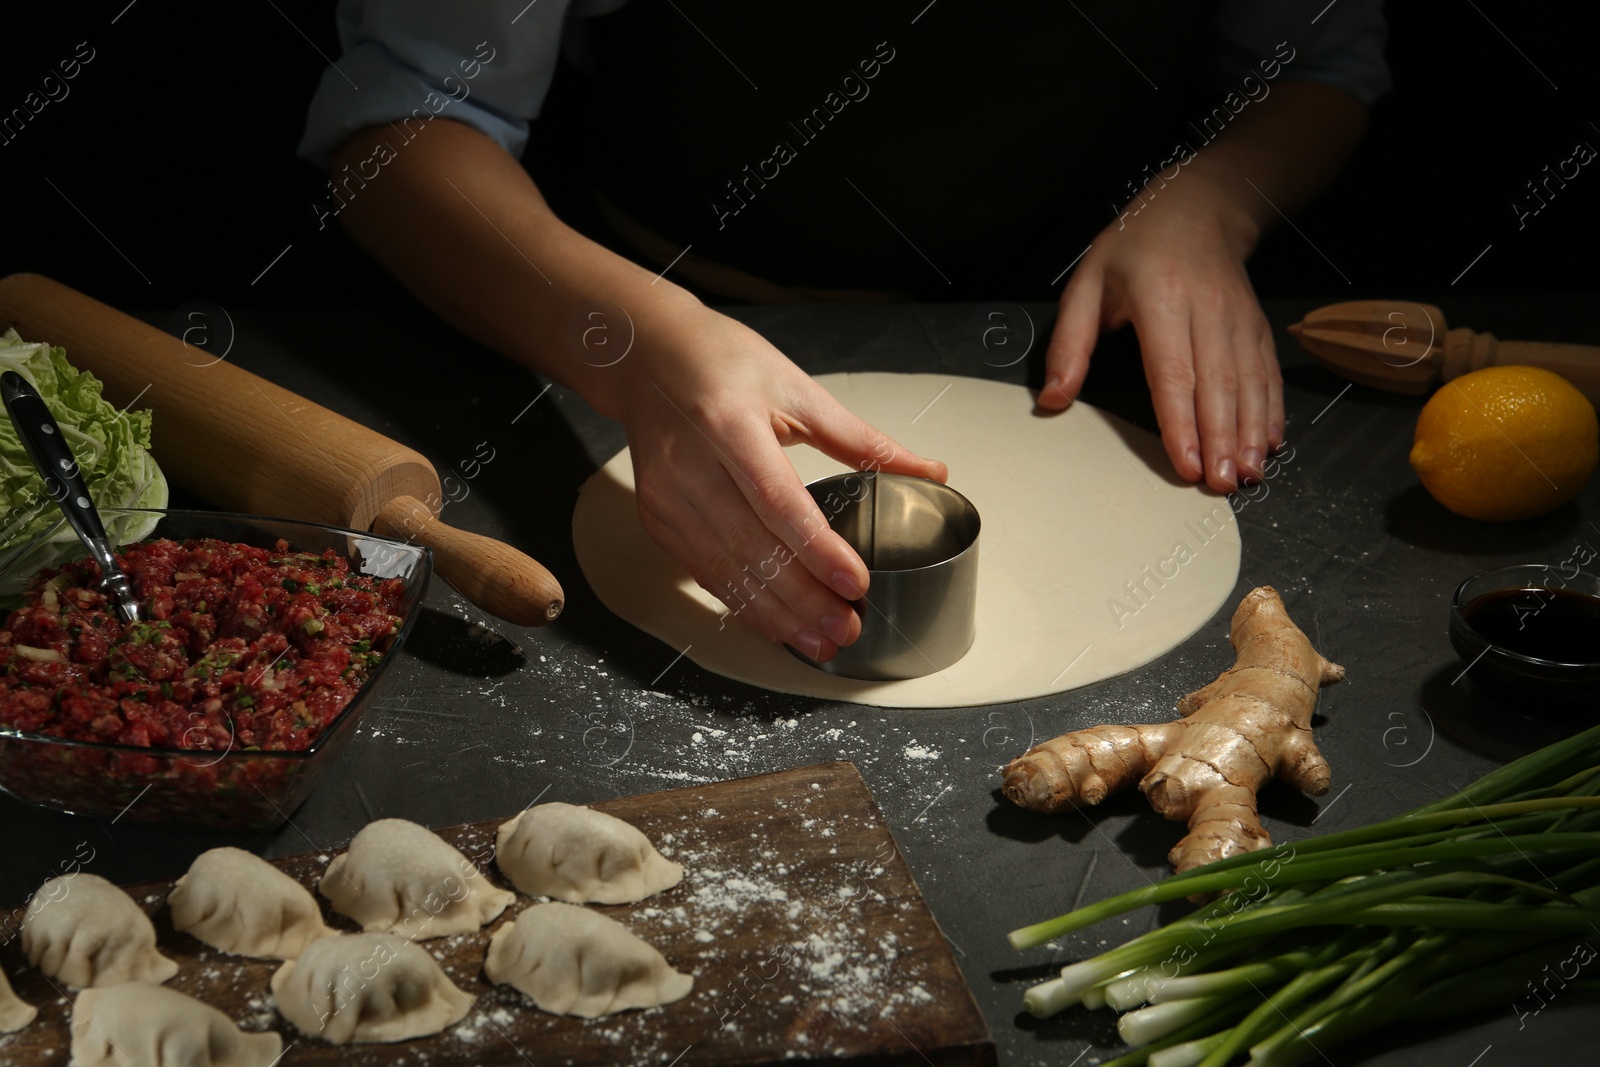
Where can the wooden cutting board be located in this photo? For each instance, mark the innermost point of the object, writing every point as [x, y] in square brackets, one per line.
[805, 932]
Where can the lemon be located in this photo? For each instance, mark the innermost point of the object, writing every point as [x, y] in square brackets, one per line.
[1506, 443]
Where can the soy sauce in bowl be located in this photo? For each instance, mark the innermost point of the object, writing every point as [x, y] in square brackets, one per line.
[1529, 637]
[1562, 625]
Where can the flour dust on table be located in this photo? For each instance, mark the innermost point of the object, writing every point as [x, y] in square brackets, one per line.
[1094, 558]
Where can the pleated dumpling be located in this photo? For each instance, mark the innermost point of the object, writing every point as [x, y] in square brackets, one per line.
[135, 1024]
[581, 856]
[367, 987]
[15, 1013]
[573, 961]
[237, 902]
[403, 878]
[82, 930]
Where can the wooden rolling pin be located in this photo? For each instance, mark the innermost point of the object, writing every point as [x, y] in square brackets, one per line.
[249, 446]
[1405, 348]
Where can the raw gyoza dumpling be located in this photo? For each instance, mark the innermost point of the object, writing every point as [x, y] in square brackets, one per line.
[581, 856]
[573, 961]
[86, 932]
[139, 1025]
[367, 987]
[401, 877]
[15, 1013]
[236, 901]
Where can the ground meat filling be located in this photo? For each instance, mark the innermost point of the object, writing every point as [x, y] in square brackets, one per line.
[240, 648]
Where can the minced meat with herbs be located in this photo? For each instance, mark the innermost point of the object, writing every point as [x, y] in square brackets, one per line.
[239, 648]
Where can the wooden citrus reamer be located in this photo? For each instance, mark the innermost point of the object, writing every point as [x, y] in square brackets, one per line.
[1405, 348]
[250, 446]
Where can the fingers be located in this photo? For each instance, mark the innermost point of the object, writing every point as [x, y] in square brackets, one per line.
[843, 435]
[1216, 385]
[771, 488]
[1170, 369]
[1066, 362]
[731, 554]
[762, 514]
[1275, 416]
[717, 492]
[813, 618]
[747, 599]
[1216, 398]
[1253, 402]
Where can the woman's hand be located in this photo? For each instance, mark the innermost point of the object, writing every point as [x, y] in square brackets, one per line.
[1173, 265]
[708, 410]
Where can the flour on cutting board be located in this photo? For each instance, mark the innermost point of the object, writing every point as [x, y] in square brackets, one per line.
[818, 942]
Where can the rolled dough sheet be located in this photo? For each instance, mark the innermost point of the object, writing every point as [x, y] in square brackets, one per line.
[1094, 558]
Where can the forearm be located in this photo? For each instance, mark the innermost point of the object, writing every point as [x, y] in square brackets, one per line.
[463, 227]
[1278, 155]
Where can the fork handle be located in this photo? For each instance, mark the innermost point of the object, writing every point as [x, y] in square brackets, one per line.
[63, 481]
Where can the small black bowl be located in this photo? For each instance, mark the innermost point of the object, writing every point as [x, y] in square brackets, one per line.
[1531, 684]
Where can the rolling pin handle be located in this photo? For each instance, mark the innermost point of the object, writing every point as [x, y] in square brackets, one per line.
[496, 577]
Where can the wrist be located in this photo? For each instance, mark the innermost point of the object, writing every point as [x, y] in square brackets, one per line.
[621, 346]
[1240, 212]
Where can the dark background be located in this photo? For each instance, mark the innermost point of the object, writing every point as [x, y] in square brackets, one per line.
[177, 141]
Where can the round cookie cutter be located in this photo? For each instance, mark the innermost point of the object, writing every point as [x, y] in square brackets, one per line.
[919, 540]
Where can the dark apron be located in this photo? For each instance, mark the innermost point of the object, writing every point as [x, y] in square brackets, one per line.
[971, 155]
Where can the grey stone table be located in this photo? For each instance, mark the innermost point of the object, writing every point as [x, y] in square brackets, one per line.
[480, 717]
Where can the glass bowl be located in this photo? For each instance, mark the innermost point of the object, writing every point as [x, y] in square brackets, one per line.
[242, 790]
[1536, 606]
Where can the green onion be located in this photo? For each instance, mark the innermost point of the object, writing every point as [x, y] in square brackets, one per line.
[1446, 909]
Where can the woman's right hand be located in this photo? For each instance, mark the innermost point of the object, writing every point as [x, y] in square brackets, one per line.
[707, 403]
[708, 410]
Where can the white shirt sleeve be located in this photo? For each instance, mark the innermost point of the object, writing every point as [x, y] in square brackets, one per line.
[486, 63]
[1338, 43]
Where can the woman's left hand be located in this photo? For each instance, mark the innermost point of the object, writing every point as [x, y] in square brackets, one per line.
[1173, 266]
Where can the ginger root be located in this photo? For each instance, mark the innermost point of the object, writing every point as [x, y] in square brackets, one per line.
[1254, 721]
